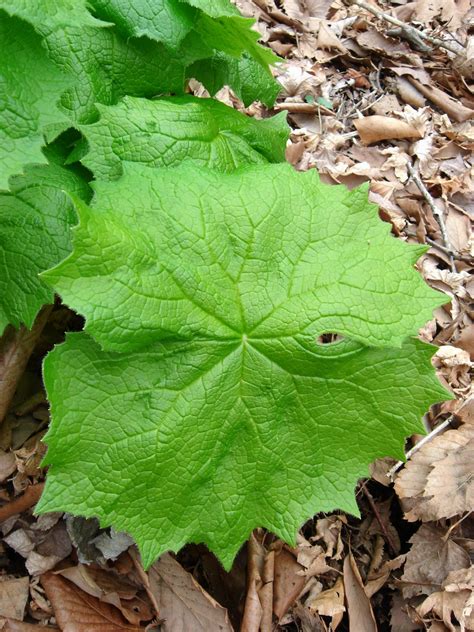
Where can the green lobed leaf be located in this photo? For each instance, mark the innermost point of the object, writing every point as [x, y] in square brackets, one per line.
[265, 251]
[35, 221]
[105, 66]
[30, 88]
[204, 440]
[167, 21]
[221, 408]
[166, 132]
[249, 80]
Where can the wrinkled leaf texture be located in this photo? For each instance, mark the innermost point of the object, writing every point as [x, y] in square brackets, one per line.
[208, 408]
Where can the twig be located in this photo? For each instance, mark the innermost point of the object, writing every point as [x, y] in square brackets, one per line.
[436, 212]
[298, 107]
[145, 580]
[16, 347]
[391, 473]
[446, 251]
[410, 32]
[18, 505]
[383, 526]
[252, 618]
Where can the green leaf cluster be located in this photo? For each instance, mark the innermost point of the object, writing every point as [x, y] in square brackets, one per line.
[197, 404]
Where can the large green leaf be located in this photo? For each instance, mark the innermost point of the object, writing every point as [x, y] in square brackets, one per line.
[30, 88]
[35, 221]
[167, 132]
[264, 251]
[221, 412]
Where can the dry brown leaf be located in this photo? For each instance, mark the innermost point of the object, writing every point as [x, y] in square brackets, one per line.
[453, 108]
[184, 604]
[446, 604]
[110, 588]
[438, 479]
[329, 531]
[450, 11]
[375, 128]
[76, 611]
[13, 597]
[328, 40]
[288, 582]
[399, 619]
[330, 603]
[409, 93]
[430, 560]
[359, 608]
[12, 625]
[377, 42]
[7, 464]
[303, 9]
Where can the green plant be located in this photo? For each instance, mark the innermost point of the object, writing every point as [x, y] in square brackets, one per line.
[198, 403]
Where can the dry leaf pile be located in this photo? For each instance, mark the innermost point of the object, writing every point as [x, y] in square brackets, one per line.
[376, 92]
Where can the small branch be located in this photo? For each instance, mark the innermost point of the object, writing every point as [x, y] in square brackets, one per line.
[145, 580]
[16, 347]
[22, 503]
[391, 473]
[436, 212]
[383, 526]
[299, 107]
[409, 32]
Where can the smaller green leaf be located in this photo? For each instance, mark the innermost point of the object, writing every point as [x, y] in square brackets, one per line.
[249, 80]
[166, 21]
[35, 221]
[30, 89]
[167, 132]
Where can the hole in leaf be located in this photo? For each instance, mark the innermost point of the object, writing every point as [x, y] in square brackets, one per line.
[329, 338]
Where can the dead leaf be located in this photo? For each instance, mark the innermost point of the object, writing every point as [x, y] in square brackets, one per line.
[359, 608]
[453, 108]
[184, 604]
[11, 625]
[450, 11]
[438, 478]
[330, 603]
[303, 9]
[430, 560]
[288, 584]
[328, 40]
[76, 611]
[7, 464]
[445, 605]
[375, 128]
[109, 588]
[14, 597]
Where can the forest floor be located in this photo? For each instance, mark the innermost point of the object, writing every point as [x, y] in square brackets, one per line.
[368, 100]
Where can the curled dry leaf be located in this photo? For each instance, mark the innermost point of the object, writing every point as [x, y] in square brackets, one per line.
[375, 128]
[330, 603]
[289, 582]
[77, 611]
[110, 588]
[184, 605]
[437, 482]
[359, 608]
